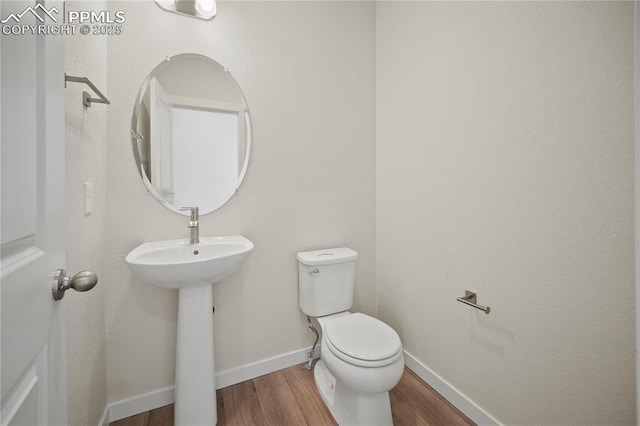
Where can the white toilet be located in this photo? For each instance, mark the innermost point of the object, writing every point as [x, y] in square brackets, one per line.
[361, 357]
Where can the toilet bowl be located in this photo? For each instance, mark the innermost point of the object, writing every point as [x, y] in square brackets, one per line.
[361, 358]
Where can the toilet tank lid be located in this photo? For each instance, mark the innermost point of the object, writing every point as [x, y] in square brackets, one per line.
[327, 256]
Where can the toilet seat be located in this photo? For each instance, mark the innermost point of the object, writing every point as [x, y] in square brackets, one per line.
[362, 340]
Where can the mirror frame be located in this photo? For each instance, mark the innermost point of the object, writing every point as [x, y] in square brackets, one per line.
[136, 136]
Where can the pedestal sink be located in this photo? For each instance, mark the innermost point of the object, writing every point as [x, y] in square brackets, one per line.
[192, 269]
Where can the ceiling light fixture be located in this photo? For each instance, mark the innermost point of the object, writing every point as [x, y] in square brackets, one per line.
[206, 7]
[166, 3]
[202, 9]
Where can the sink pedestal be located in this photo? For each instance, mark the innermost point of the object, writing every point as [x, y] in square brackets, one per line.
[195, 392]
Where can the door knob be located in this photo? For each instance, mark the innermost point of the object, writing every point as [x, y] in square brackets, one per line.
[82, 281]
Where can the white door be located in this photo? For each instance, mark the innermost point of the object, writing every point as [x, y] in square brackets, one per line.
[33, 343]
[208, 154]
[161, 142]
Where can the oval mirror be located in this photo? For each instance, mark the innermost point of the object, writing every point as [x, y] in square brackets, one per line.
[191, 133]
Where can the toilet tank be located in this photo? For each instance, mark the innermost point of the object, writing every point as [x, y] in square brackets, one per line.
[326, 280]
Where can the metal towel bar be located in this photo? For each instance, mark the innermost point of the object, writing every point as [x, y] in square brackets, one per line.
[86, 97]
[470, 298]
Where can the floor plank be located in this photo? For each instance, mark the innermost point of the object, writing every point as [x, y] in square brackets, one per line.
[141, 419]
[162, 416]
[240, 405]
[289, 397]
[274, 394]
[423, 401]
[304, 390]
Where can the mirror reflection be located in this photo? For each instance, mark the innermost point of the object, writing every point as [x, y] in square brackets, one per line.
[191, 133]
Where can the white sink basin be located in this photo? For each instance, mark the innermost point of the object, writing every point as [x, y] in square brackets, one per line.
[177, 264]
[191, 269]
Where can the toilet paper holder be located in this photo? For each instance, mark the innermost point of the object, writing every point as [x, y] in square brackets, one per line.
[471, 299]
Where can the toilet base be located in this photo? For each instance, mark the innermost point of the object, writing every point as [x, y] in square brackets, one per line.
[349, 407]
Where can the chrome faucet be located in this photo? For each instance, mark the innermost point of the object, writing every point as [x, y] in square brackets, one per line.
[194, 226]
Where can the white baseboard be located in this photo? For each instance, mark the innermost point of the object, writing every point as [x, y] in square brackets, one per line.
[139, 404]
[450, 393]
[152, 400]
[104, 420]
[260, 368]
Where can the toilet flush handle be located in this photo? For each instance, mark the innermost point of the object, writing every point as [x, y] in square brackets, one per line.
[314, 272]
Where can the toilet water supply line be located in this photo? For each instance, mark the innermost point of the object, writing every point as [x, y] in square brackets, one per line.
[309, 363]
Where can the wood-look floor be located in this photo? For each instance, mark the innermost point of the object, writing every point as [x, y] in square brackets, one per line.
[289, 397]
